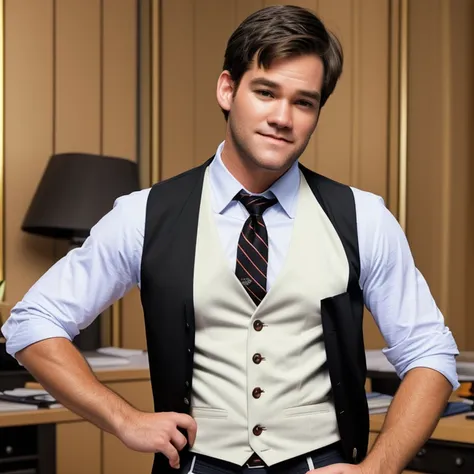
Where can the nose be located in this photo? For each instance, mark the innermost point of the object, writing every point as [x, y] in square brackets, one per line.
[281, 115]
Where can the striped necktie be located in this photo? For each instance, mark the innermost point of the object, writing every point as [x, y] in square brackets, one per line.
[252, 249]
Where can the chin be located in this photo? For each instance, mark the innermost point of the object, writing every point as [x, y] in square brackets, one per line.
[272, 164]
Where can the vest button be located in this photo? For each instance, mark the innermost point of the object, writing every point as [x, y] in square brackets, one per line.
[354, 454]
[256, 392]
[257, 358]
[186, 401]
[258, 325]
[257, 430]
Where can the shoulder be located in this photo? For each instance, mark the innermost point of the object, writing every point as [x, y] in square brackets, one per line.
[126, 218]
[375, 222]
[132, 206]
[368, 205]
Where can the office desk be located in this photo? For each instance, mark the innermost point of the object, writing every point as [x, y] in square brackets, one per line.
[82, 448]
[449, 450]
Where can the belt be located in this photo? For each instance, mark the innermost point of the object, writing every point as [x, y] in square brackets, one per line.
[256, 462]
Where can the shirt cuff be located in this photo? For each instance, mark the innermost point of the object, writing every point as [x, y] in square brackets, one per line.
[444, 364]
[25, 333]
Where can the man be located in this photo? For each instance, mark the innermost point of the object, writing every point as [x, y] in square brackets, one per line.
[253, 273]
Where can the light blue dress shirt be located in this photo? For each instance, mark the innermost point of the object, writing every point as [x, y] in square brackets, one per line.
[70, 295]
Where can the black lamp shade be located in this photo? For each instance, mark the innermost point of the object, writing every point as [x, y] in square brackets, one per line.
[76, 191]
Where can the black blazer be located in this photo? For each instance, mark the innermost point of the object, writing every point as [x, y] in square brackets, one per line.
[167, 298]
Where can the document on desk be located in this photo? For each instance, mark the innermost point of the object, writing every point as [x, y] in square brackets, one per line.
[12, 406]
[377, 361]
[20, 399]
[96, 359]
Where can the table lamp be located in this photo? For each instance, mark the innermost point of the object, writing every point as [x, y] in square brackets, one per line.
[76, 191]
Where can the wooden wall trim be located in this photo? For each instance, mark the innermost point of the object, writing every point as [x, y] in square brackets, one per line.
[2, 141]
[446, 157]
[394, 108]
[403, 114]
[155, 91]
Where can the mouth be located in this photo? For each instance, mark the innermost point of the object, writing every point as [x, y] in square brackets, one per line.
[275, 138]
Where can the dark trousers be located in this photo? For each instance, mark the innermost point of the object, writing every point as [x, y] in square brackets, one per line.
[198, 464]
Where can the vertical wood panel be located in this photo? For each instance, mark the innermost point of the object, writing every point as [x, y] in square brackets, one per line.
[334, 132]
[119, 78]
[397, 104]
[78, 72]
[464, 102]
[178, 87]
[214, 23]
[144, 105]
[28, 134]
[425, 139]
[461, 161]
[70, 459]
[373, 93]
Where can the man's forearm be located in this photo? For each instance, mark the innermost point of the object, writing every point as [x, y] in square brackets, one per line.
[62, 371]
[411, 419]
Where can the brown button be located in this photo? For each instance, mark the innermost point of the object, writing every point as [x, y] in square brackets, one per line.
[258, 325]
[257, 358]
[256, 392]
[257, 430]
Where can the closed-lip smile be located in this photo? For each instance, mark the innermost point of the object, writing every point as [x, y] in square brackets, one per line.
[275, 137]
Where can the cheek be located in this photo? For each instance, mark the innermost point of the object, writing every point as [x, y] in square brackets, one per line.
[305, 125]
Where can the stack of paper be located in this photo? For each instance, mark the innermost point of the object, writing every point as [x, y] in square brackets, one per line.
[21, 393]
[378, 402]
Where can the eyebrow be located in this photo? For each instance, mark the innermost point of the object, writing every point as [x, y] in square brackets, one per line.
[260, 81]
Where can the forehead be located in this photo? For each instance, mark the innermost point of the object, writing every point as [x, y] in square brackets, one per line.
[302, 72]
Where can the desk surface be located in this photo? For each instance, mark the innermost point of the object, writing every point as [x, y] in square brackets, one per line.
[452, 428]
[136, 370]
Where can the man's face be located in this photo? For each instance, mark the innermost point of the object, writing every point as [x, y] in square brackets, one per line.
[274, 112]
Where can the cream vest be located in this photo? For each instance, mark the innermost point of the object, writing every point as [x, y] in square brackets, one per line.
[294, 413]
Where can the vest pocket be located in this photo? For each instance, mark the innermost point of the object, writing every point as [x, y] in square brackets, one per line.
[306, 410]
[202, 412]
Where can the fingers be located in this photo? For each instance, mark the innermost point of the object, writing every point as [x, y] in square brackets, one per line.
[187, 422]
[172, 454]
[178, 440]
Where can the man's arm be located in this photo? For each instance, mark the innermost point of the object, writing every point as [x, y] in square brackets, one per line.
[412, 417]
[64, 373]
[419, 345]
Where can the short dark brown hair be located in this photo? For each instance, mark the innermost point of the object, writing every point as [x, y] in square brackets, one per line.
[283, 31]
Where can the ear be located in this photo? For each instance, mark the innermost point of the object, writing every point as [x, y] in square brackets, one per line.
[225, 90]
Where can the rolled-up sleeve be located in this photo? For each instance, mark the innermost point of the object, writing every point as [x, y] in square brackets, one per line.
[398, 296]
[74, 291]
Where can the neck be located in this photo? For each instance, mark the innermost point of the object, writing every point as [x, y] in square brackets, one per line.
[253, 178]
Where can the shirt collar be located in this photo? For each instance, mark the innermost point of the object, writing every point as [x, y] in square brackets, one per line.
[225, 186]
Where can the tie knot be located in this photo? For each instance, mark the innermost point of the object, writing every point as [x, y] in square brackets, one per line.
[255, 205]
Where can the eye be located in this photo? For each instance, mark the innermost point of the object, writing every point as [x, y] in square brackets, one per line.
[305, 104]
[264, 93]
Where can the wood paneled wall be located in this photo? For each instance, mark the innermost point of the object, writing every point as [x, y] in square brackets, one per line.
[70, 85]
[440, 198]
